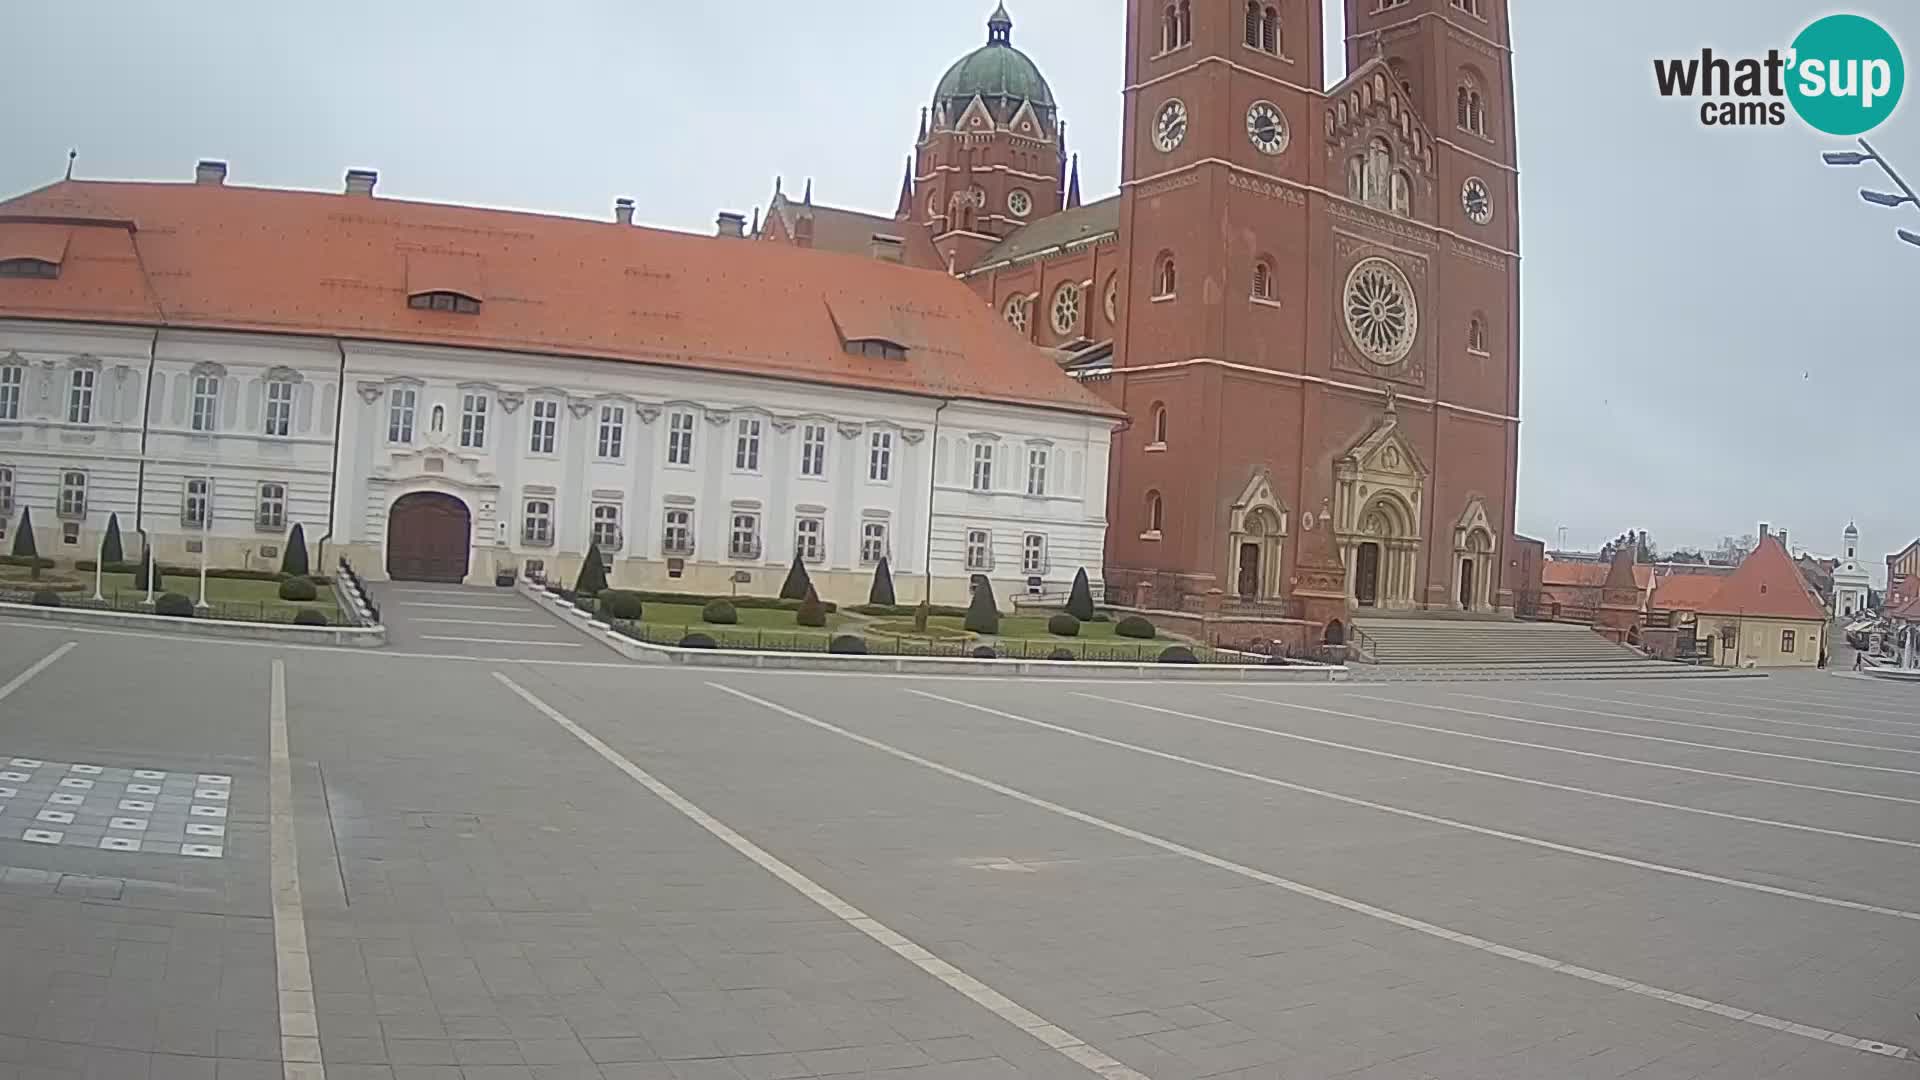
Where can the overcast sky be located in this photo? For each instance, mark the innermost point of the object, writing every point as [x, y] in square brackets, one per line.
[1716, 331]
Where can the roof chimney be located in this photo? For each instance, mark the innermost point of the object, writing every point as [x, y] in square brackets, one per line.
[732, 226]
[1783, 542]
[361, 181]
[209, 171]
[623, 211]
[886, 248]
[1765, 530]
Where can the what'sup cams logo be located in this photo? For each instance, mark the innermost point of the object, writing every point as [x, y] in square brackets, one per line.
[1843, 75]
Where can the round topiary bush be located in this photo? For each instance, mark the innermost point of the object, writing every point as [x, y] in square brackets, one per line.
[720, 613]
[1102, 616]
[1063, 625]
[310, 617]
[985, 652]
[1062, 654]
[697, 641]
[174, 605]
[848, 645]
[46, 598]
[621, 604]
[298, 589]
[1178, 654]
[1134, 626]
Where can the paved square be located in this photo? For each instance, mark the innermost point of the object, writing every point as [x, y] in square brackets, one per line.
[89, 805]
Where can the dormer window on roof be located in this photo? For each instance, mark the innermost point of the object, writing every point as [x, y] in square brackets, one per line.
[31, 249]
[880, 348]
[33, 268]
[442, 300]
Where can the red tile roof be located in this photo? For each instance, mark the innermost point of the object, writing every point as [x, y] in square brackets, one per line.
[249, 259]
[1585, 575]
[1686, 592]
[1767, 585]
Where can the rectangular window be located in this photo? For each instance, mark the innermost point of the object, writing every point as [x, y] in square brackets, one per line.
[193, 512]
[537, 527]
[606, 526]
[12, 378]
[270, 512]
[810, 539]
[401, 401]
[982, 466]
[1787, 641]
[280, 408]
[880, 457]
[73, 494]
[746, 445]
[80, 396]
[979, 550]
[1037, 470]
[546, 427]
[744, 541]
[873, 542]
[813, 450]
[473, 421]
[6, 492]
[1033, 554]
[677, 538]
[206, 402]
[680, 439]
[613, 431]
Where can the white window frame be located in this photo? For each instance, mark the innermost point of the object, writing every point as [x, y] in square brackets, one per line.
[80, 395]
[196, 502]
[680, 428]
[983, 454]
[543, 429]
[73, 494]
[475, 405]
[813, 450]
[13, 384]
[1038, 459]
[746, 445]
[402, 403]
[605, 520]
[880, 457]
[270, 506]
[536, 529]
[279, 416]
[204, 417]
[612, 444]
[873, 542]
[1033, 556]
[979, 551]
[677, 523]
[6, 492]
[810, 538]
[743, 535]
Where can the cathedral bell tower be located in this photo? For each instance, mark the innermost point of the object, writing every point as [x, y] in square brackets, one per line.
[991, 156]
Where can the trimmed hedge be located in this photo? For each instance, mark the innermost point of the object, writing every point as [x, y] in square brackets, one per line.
[1062, 654]
[622, 604]
[811, 613]
[228, 573]
[1080, 600]
[310, 617]
[46, 598]
[174, 605]
[768, 603]
[1133, 626]
[1063, 625]
[1101, 616]
[1178, 654]
[697, 641]
[848, 645]
[881, 593]
[720, 613]
[593, 573]
[985, 652]
[983, 614]
[298, 589]
[27, 560]
[908, 610]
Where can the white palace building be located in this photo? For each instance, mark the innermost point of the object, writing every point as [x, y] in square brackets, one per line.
[439, 392]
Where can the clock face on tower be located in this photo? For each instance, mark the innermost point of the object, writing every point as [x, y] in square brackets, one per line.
[1170, 126]
[1266, 127]
[1476, 200]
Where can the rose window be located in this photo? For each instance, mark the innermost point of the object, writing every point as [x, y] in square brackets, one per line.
[1381, 315]
[1017, 313]
[1066, 309]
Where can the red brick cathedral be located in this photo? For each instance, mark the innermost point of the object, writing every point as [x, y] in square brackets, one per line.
[1306, 300]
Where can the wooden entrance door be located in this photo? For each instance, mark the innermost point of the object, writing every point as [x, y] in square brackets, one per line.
[1366, 575]
[1466, 584]
[429, 538]
[1250, 571]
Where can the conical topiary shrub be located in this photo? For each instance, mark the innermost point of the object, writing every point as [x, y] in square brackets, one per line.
[983, 615]
[294, 562]
[140, 573]
[23, 545]
[812, 612]
[111, 549]
[1080, 600]
[882, 591]
[797, 582]
[593, 574]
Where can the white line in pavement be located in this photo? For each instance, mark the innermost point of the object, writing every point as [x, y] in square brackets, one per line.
[1828, 708]
[1568, 750]
[981, 994]
[1678, 723]
[1646, 738]
[299, 1029]
[504, 641]
[1690, 707]
[39, 666]
[489, 622]
[463, 607]
[1357, 906]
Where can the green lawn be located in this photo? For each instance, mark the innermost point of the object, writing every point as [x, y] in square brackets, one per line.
[1030, 627]
[750, 618]
[232, 594]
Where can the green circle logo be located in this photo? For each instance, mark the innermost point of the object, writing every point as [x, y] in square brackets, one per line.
[1847, 75]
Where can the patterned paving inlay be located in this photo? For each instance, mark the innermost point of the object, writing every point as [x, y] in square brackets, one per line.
[79, 804]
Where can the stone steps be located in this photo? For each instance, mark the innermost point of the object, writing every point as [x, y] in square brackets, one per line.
[1494, 649]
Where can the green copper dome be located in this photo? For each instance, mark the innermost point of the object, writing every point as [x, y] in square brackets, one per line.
[995, 70]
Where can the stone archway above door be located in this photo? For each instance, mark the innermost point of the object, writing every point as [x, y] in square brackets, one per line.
[1474, 560]
[1256, 531]
[1378, 487]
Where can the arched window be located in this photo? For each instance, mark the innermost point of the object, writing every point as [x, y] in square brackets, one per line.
[1357, 178]
[1170, 29]
[1471, 7]
[1470, 106]
[1262, 279]
[1477, 335]
[1460, 114]
[1186, 21]
[1165, 277]
[1379, 165]
[1270, 31]
[1402, 193]
[1253, 24]
[1159, 424]
[1477, 113]
[1156, 513]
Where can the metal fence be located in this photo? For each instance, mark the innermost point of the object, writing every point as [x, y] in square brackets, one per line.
[772, 640]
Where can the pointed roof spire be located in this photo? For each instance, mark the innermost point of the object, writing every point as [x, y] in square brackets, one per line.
[1073, 185]
[808, 199]
[1000, 27]
[756, 222]
[923, 123]
[905, 209]
[776, 187]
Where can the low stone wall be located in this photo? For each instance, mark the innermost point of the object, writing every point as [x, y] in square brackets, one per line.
[358, 636]
[1230, 631]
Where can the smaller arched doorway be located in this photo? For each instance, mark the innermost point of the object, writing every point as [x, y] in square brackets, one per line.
[429, 538]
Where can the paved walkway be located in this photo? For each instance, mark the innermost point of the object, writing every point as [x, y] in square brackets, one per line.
[494, 623]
